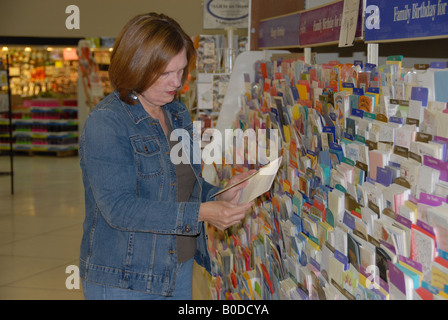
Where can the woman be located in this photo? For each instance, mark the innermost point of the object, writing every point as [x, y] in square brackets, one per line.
[144, 215]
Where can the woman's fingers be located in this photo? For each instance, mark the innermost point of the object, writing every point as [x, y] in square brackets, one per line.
[223, 214]
[233, 194]
[234, 215]
[242, 176]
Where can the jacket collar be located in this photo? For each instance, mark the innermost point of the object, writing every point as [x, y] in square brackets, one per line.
[138, 113]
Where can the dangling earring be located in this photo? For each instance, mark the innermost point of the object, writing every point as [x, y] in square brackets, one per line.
[133, 95]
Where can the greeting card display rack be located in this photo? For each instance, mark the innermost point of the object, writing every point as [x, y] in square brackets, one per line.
[282, 249]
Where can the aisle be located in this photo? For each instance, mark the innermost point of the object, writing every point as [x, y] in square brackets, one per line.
[41, 227]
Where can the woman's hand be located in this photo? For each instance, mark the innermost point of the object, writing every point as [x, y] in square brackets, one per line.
[223, 214]
[233, 194]
[225, 211]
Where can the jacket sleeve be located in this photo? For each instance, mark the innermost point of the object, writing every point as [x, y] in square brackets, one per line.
[208, 190]
[110, 176]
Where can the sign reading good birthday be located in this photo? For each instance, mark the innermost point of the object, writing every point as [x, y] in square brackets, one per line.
[279, 32]
[405, 19]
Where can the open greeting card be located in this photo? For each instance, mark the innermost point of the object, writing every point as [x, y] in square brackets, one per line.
[259, 182]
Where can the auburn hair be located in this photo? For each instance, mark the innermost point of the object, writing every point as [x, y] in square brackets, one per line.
[142, 51]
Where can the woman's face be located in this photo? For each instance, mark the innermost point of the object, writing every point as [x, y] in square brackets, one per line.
[167, 85]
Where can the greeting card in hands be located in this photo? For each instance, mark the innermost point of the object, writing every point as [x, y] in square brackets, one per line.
[259, 182]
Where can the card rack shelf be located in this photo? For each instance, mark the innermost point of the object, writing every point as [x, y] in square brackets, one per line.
[45, 125]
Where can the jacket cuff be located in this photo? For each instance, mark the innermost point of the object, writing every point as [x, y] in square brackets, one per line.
[188, 219]
[211, 192]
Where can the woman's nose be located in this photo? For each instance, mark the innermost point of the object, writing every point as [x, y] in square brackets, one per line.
[175, 80]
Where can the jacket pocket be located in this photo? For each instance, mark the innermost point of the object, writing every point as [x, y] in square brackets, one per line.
[147, 151]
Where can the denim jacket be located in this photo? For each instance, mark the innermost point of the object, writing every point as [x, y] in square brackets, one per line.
[132, 217]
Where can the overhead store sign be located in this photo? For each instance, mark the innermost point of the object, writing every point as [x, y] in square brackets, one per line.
[279, 32]
[405, 19]
[323, 24]
[313, 27]
[219, 14]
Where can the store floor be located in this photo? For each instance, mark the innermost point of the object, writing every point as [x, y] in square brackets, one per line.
[41, 227]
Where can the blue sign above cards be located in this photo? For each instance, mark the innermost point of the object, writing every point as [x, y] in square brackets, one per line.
[279, 32]
[405, 19]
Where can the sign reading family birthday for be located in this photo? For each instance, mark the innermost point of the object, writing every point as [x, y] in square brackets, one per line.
[219, 14]
[405, 19]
